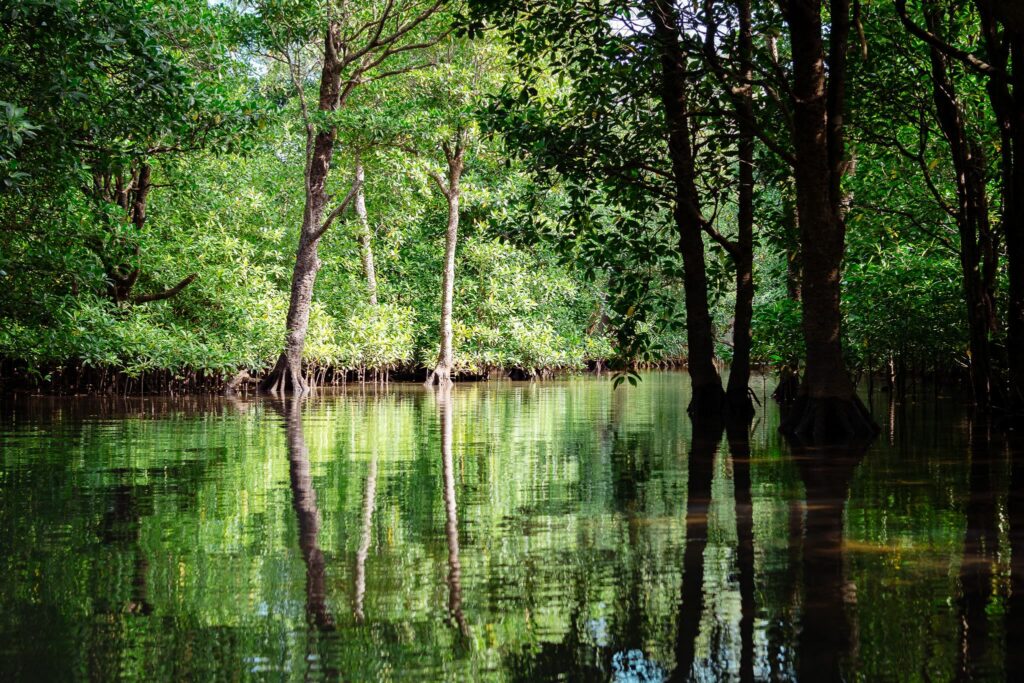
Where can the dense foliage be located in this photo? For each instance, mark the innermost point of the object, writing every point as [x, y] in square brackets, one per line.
[155, 166]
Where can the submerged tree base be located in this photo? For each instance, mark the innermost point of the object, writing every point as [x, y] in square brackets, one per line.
[828, 419]
[285, 378]
[739, 405]
[707, 402]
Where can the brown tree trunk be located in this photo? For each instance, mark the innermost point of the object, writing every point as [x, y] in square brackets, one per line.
[1005, 47]
[287, 373]
[828, 407]
[708, 398]
[738, 389]
[365, 235]
[972, 218]
[446, 358]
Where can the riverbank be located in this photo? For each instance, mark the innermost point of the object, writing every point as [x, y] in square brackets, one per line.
[75, 379]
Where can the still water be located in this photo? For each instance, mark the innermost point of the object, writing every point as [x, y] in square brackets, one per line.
[558, 530]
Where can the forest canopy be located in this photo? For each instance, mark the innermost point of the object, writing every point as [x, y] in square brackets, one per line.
[319, 191]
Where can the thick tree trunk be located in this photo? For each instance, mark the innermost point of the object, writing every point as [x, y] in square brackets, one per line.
[1005, 47]
[365, 235]
[442, 372]
[708, 398]
[828, 407]
[287, 373]
[738, 391]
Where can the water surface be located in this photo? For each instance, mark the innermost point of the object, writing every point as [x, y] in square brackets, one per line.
[504, 531]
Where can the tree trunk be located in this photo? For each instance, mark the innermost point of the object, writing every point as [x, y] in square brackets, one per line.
[828, 407]
[1006, 93]
[365, 235]
[442, 372]
[708, 398]
[287, 373]
[1013, 225]
[738, 390]
[972, 218]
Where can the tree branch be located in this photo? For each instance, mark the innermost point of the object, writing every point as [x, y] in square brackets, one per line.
[967, 58]
[338, 210]
[167, 293]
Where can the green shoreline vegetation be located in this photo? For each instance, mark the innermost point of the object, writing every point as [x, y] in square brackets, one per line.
[192, 194]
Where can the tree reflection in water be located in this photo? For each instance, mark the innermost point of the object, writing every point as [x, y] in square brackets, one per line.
[308, 514]
[451, 525]
[703, 447]
[369, 504]
[826, 635]
[739, 451]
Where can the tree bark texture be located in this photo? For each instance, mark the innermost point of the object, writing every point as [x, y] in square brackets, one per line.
[446, 357]
[287, 373]
[708, 397]
[365, 234]
[827, 407]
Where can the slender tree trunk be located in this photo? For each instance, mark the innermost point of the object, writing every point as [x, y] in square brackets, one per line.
[287, 373]
[828, 407]
[738, 391]
[365, 235]
[708, 398]
[446, 358]
[972, 218]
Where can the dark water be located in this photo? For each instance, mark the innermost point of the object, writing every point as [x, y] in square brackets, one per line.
[507, 531]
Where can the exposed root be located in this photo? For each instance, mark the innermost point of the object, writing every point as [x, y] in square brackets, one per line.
[828, 420]
[285, 378]
[441, 376]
